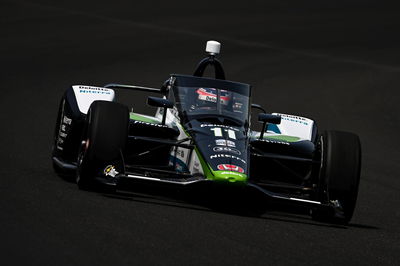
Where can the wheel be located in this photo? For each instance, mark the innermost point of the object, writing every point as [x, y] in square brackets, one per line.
[59, 149]
[339, 175]
[56, 168]
[104, 140]
[67, 136]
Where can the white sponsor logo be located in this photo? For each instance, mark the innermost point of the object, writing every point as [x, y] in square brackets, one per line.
[180, 153]
[293, 118]
[222, 126]
[93, 90]
[224, 142]
[220, 142]
[275, 141]
[230, 143]
[227, 156]
[230, 173]
[227, 149]
[149, 124]
[67, 120]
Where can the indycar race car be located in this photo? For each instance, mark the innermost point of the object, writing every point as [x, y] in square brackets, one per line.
[201, 134]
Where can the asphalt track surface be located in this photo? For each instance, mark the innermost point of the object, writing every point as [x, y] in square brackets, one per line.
[338, 63]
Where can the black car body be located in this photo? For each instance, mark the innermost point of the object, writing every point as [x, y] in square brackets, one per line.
[201, 134]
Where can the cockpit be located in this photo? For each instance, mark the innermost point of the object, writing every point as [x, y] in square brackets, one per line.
[198, 98]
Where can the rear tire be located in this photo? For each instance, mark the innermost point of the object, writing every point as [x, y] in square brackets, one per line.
[339, 176]
[104, 141]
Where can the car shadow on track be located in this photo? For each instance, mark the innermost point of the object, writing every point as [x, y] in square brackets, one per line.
[224, 202]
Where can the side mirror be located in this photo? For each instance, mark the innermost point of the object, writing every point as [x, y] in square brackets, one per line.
[268, 118]
[257, 106]
[160, 102]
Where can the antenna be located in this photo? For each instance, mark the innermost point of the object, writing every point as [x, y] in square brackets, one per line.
[213, 48]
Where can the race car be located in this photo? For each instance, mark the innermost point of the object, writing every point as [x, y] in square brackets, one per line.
[201, 134]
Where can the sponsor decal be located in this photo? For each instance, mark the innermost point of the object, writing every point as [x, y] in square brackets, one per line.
[218, 132]
[230, 173]
[149, 124]
[60, 141]
[180, 153]
[93, 90]
[227, 156]
[230, 143]
[222, 126]
[293, 118]
[110, 171]
[224, 142]
[67, 120]
[275, 141]
[209, 95]
[227, 149]
[220, 142]
[230, 167]
[63, 132]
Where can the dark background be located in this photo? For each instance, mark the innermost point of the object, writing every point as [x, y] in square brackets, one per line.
[335, 62]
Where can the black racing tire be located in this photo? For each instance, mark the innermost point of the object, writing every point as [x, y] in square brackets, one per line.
[339, 175]
[54, 153]
[104, 140]
[56, 168]
[67, 136]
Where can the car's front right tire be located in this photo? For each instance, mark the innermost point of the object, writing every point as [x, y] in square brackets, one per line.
[339, 176]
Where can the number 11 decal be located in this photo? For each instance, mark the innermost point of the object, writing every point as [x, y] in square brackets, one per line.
[218, 132]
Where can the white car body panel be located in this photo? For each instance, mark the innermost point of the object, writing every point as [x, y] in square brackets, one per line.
[86, 95]
[292, 125]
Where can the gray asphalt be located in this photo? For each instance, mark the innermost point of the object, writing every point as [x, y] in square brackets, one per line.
[337, 62]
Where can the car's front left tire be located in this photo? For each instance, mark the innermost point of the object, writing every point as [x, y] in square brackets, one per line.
[104, 141]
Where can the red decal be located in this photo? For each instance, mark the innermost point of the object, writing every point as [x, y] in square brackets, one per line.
[230, 167]
[204, 92]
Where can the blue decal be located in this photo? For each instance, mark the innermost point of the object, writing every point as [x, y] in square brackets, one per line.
[295, 120]
[273, 128]
[178, 164]
[94, 91]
